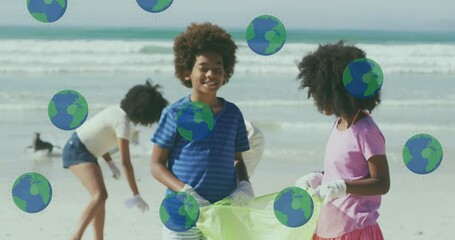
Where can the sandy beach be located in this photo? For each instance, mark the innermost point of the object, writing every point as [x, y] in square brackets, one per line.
[417, 207]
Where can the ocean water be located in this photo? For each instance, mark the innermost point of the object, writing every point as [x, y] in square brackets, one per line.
[102, 64]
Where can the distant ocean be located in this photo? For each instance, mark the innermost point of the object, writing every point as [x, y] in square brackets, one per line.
[102, 64]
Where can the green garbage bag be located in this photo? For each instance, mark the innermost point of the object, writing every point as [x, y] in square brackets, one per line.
[221, 221]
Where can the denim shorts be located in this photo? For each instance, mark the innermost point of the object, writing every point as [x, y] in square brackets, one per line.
[75, 152]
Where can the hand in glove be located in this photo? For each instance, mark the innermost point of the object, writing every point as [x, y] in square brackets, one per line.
[114, 169]
[243, 194]
[331, 190]
[312, 180]
[138, 202]
[200, 200]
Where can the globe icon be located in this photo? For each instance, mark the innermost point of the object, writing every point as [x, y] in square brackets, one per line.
[422, 154]
[154, 6]
[195, 121]
[293, 207]
[68, 110]
[363, 78]
[266, 35]
[179, 211]
[32, 192]
[47, 11]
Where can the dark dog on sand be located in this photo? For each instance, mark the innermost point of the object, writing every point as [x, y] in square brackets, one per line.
[38, 144]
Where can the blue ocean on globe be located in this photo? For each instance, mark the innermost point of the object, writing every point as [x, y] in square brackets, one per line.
[422, 154]
[179, 211]
[68, 110]
[195, 121]
[47, 11]
[266, 35]
[32, 192]
[363, 78]
[293, 207]
[154, 6]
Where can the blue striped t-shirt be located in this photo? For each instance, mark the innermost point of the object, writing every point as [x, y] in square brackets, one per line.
[206, 165]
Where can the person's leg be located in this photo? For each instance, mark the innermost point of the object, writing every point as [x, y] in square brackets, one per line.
[89, 174]
[98, 222]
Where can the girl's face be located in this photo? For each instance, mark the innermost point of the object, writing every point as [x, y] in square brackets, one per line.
[207, 75]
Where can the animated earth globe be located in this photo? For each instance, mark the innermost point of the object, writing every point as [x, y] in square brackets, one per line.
[32, 192]
[363, 78]
[422, 154]
[195, 121]
[47, 11]
[266, 35]
[293, 207]
[179, 211]
[154, 6]
[68, 110]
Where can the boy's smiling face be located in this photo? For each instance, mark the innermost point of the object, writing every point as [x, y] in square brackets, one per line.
[207, 75]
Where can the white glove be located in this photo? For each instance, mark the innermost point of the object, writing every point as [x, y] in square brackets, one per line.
[311, 180]
[331, 190]
[138, 202]
[243, 194]
[114, 169]
[200, 200]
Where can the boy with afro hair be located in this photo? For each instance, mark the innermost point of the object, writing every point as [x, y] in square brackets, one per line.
[210, 169]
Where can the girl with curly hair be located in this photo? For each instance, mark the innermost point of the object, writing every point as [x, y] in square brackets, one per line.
[356, 171]
[112, 126]
[210, 169]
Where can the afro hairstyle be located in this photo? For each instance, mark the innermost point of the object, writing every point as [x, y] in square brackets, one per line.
[322, 72]
[200, 38]
[143, 104]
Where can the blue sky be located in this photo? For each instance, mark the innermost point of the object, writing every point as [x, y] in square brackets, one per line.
[436, 15]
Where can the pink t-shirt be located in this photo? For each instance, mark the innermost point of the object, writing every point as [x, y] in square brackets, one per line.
[346, 157]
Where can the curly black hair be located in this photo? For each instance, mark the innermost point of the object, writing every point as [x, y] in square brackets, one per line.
[143, 103]
[200, 38]
[322, 72]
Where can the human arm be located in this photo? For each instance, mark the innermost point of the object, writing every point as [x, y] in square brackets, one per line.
[379, 181]
[123, 145]
[136, 200]
[240, 168]
[112, 166]
[161, 173]
[243, 194]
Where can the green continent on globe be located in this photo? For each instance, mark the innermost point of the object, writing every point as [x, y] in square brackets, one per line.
[347, 77]
[21, 204]
[205, 115]
[250, 33]
[433, 152]
[301, 201]
[79, 110]
[187, 134]
[161, 4]
[190, 210]
[164, 215]
[372, 84]
[52, 110]
[373, 78]
[42, 17]
[40, 186]
[282, 218]
[275, 40]
[407, 157]
[62, 3]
